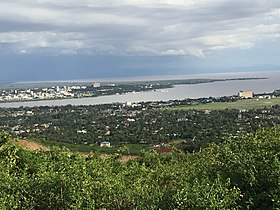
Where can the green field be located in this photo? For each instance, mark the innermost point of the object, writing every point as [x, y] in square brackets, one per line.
[241, 104]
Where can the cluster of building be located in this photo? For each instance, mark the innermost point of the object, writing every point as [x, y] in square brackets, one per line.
[37, 94]
[55, 92]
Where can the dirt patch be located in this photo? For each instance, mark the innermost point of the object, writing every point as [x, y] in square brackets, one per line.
[31, 145]
[126, 158]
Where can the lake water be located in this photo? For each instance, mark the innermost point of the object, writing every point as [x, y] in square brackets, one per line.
[214, 89]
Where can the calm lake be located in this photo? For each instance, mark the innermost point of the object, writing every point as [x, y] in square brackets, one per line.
[214, 89]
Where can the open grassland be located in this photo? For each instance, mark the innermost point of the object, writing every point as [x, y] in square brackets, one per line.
[241, 104]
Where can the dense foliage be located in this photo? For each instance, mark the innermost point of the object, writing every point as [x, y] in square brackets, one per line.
[243, 173]
[147, 125]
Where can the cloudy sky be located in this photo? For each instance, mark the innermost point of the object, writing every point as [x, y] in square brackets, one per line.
[82, 39]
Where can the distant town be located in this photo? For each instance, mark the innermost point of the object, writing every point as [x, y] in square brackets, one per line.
[72, 91]
[39, 94]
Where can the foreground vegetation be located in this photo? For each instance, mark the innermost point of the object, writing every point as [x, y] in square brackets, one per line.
[243, 173]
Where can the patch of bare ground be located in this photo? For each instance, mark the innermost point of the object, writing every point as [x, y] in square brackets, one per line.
[126, 158]
[31, 145]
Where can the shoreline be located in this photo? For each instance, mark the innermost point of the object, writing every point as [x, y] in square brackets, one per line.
[172, 84]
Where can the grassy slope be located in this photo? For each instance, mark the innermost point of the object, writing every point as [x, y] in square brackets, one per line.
[241, 104]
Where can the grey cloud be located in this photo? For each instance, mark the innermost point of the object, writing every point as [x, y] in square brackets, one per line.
[120, 27]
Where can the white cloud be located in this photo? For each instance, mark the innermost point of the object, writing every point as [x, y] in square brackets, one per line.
[160, 27]
[174, 52]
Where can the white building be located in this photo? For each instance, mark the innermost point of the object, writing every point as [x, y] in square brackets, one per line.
[105, 144]
[245, 94]
[96, 85]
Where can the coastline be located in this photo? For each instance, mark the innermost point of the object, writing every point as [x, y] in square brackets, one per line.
[170, 84]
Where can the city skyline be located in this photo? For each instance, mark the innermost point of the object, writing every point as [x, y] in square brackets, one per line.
[68, 40]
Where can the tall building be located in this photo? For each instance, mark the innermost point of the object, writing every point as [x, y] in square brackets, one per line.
[96, 85]
[57, 89]
[245, 94]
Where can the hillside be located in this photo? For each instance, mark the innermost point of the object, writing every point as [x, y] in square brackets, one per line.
[239, 174]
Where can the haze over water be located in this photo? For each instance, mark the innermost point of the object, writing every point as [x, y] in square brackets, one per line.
[180, 92]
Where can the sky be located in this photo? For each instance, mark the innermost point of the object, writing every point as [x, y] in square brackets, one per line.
[88, 39]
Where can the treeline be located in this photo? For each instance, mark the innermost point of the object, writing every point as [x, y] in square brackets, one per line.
[239, 174]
